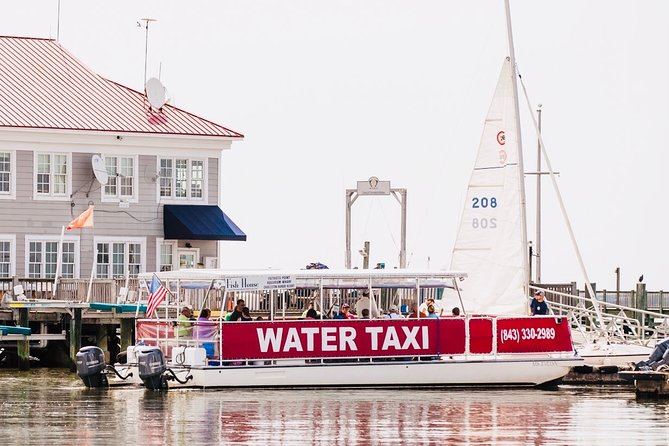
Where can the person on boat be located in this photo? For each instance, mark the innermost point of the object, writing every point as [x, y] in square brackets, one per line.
[312, 314]
[345, 312]
[237, 312]
[423, 308]
[539, 306]
[364, 313]
[393, 313]
[369, 304]
[431, 312]
[455, 311]
[246, 314]
[184, 325]
[205, 330]
[310, 307]
[414, 313]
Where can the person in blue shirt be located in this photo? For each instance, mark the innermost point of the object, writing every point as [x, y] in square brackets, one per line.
[539, 306]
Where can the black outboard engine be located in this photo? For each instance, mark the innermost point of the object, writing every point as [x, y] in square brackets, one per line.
[91, 367]
[151, 365]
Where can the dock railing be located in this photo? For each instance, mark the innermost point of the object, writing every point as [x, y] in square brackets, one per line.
[620, 323]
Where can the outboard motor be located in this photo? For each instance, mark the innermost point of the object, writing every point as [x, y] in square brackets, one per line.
[151, 365]
[91, 367]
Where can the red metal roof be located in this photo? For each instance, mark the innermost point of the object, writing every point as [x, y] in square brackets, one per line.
[43, 86]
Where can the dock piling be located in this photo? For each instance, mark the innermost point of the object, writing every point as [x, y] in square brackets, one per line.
[23, 345]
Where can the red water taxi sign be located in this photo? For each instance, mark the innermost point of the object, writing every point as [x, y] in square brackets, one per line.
[332, 338]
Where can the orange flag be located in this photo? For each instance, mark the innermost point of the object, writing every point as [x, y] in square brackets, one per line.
[85, 220]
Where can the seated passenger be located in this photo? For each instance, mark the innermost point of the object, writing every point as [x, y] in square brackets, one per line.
[430, 301]
[430, 312]
[345, 312]
[369, 304]
[311, 314]
[246, 315]
[393, 313]
[183, 327]
[365, 313]
[205, 330]
[455, 311]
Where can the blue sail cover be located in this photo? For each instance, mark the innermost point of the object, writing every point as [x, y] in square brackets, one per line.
[196, 222]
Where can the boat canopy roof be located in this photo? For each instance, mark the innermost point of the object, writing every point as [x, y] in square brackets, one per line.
[308, 279]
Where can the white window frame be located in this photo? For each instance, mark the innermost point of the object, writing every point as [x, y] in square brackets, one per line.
[11, 195]
[176, 200]
[125, 240]
[181, 250]
[105, 198]
[53, 238]
[11, 238]
[68, 178]
[175, 247]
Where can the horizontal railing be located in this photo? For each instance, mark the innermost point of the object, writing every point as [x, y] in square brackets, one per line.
[620, 323]
[110, 291]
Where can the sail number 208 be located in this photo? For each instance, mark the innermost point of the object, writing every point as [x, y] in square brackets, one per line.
[484, 202]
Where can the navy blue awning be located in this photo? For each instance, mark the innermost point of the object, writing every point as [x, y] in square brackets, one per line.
[194, 222]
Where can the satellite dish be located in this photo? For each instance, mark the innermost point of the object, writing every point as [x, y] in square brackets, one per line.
[156, 93]
[99, 169]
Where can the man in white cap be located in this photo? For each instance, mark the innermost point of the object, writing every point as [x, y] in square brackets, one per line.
[393, 313]
[539, 306]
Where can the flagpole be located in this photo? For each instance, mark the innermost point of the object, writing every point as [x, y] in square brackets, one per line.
[90, 281]
[58, 261]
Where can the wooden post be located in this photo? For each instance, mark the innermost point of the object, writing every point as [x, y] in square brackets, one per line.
[642, 299]
[127, 333]
[75, 337]
[23, 346]
[102, 340]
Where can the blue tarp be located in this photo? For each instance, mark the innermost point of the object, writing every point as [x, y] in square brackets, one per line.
[120, 308]
[7, 330]
[193, 222]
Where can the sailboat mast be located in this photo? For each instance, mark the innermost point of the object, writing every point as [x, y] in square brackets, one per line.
[521, 169]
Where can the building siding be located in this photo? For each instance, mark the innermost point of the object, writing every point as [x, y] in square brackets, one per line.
[27, 216]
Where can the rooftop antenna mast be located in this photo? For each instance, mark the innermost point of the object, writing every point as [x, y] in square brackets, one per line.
[58, 24]
[146, 42]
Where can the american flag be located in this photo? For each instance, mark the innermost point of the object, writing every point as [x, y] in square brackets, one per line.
[158, 293]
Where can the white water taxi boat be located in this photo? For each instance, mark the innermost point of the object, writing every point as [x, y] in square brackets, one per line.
[468, 350]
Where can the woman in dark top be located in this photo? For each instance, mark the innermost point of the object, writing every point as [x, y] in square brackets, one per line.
[246, 314]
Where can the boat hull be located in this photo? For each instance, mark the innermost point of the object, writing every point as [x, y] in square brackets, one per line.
[527, 372]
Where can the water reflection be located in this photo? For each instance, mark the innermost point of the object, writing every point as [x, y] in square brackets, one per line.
[44, 406]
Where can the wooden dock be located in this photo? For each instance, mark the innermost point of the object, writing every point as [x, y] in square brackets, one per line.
[649, 384]
[73, 324]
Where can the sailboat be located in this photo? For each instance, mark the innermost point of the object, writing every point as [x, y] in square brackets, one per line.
[491, 243]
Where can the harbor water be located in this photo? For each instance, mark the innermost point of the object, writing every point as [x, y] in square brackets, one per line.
[47, 406]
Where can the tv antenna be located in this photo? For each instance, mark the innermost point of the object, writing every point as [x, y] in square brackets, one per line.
[146, 42]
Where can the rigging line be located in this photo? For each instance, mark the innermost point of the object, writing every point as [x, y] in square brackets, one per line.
[369, 213]
[593, 296]
[495, 167]
[385, 220]
[101, 211]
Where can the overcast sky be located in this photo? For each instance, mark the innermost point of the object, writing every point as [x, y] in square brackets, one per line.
[330, 93]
